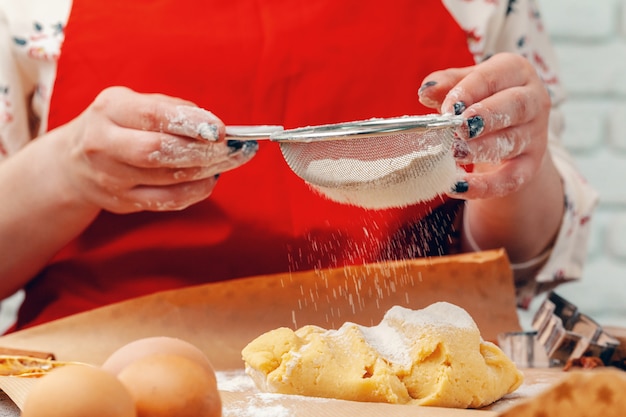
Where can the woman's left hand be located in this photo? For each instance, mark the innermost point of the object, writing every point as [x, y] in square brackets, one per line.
[505, 108]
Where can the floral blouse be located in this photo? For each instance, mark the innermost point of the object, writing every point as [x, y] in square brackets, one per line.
[31, 36]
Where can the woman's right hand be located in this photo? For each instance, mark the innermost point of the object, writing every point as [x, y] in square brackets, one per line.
[125, 153]
[130, 152]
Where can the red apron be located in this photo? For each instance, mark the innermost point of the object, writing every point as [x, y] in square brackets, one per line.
[295, 63]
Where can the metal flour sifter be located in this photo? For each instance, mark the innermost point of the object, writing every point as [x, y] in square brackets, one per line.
[375, 164]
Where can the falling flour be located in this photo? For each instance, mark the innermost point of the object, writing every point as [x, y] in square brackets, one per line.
[234, 381]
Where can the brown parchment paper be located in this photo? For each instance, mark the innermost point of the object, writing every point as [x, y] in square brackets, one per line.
[221, 318]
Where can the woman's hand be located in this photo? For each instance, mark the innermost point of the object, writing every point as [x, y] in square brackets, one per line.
[126, 152]
[505, 107]
[130, 152]
[514, 192]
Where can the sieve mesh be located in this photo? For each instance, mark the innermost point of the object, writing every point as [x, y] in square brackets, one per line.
[381, 171]
[376, 163]
[368, 161]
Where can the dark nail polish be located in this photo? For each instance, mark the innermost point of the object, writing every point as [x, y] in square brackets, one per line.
[459, 107]
[476, 125]
[243, 146]
[217, 176]
[460, 187]
[426, 85]
[235, 145]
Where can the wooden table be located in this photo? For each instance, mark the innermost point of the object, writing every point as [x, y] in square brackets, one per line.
[221, 318]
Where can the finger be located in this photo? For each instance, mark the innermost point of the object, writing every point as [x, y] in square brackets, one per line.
[436, 86]
[166, 198]
[510, 107]
[158, 113]
[235, 159]
[194, 122]
[500, 72]
[153, 150]
[493, 148]
[503, 179]
[115, 176]
[123, 177]
[228, 155]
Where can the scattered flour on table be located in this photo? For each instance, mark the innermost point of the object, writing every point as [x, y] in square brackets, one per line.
[235, 381]
[267, 405]
[252, 408]
[530, 390]
[257, 404]
[526, 390]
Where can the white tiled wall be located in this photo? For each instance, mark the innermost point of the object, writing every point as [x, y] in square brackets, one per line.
[590, 39]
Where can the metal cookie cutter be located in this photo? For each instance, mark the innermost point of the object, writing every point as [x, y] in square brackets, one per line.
[567, 334]
[524, 349]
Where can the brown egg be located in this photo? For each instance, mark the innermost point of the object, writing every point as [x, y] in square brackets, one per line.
[78, 391]
[166, 385]
[137, 349]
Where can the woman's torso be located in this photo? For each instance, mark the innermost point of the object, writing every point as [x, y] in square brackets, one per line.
[249, 62]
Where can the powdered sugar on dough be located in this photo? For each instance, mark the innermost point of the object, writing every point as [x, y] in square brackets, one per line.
[389, 343]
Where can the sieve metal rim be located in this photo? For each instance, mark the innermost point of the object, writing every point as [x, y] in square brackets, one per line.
[296, 142]
[366, 128]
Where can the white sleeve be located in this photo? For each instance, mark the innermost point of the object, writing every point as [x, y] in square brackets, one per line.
[14, 90]
[31, 35]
